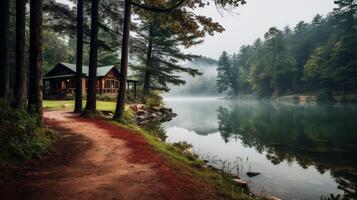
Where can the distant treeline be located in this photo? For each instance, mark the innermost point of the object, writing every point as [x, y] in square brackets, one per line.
[320, 56]
[203, 85]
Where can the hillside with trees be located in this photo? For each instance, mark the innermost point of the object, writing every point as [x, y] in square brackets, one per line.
[203, 85]
[313, 57]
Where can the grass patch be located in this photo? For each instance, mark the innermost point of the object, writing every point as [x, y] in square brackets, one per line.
[191, 165]
[69, 104]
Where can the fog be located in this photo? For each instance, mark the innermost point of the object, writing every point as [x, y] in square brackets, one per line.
[245, 24]
[204, 85]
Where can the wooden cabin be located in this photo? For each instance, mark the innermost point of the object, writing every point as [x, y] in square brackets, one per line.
[61, 81]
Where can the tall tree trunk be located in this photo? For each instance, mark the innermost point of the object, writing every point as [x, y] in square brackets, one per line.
[4, 28]
[35, 72]
[93, 57]
[79, 59]
[119, 111]
[148, 63]
[20, 75]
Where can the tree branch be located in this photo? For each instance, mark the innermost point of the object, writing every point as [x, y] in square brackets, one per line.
[158, 9]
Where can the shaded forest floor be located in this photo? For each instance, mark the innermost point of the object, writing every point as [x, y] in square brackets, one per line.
[95, 159]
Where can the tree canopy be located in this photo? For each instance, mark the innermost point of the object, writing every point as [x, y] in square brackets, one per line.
[312, 57]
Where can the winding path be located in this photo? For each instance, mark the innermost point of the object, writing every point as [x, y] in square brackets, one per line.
[98, 160]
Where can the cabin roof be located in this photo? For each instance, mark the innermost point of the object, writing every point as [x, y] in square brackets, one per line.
[101, 71]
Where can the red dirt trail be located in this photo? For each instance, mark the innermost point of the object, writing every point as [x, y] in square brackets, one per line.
[98, 160]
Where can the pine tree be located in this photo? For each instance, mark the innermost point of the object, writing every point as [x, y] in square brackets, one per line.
[79, 58]
[93, 58]
[20, 77]
[161, 64]
[35, 72]
[4, 29]
[345, 14]
[224, 72]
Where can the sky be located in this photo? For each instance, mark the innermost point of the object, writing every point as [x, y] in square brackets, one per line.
[253, 19]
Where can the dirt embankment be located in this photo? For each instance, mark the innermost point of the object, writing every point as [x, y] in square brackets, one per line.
[98, 160]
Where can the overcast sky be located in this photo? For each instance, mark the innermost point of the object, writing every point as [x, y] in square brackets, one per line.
[253, 19]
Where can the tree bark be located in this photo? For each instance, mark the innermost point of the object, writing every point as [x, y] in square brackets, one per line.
[20, 75]
[148, 63]
[119, 111]
[93, 57]
[79, 59]
[4, 28]
[35, 72]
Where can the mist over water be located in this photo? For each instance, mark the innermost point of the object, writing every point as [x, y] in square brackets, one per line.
[204, 85]
[302, 151]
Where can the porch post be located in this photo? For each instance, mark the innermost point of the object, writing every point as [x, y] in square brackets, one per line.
[135, 91]
[43, 87]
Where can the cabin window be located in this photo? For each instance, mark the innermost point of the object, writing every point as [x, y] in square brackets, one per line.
[63, 85]
[116, 84]
[107, 84]
[110, 84]
[71, 83]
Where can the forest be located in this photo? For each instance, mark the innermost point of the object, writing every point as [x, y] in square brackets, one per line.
[313, 57]
[88, 144]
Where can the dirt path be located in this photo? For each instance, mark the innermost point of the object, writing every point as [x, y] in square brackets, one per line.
[98, 160]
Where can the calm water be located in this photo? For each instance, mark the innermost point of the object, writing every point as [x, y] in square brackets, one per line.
[303, 152]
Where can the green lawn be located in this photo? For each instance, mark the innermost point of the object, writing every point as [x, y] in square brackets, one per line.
[69, 104]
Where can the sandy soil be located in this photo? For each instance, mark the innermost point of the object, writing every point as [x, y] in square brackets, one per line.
[98, 160]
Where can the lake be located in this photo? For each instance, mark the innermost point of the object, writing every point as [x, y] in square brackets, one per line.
[301, 151]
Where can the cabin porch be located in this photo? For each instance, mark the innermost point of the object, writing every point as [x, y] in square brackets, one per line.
[61, 86]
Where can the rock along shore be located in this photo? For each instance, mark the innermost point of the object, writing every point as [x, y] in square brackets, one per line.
[144, 114]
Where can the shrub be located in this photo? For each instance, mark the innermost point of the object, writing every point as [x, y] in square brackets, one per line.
[128, 115]
[130, 97]
[103, 97]
[325, 96]
[350, 98]
[153, 99]
[69, 97]
[21, 137]
[155, 128]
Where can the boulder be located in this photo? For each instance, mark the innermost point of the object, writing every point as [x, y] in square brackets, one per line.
[253, 174]
[141, 117]
[241, 183]
[141, 112]
[140, 106]
[273, 198]
[155, 109]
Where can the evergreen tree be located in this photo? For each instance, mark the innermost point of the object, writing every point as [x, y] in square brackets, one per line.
[20, 76]
[161, 64]
[314, 57]
[224, 73]
[93, 58]
[4, 29]
[79, 58]
[36, 51]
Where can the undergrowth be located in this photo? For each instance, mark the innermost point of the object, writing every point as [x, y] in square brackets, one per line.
[21, 137]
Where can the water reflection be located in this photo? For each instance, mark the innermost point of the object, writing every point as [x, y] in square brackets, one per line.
[303, 151]
[321, 136]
